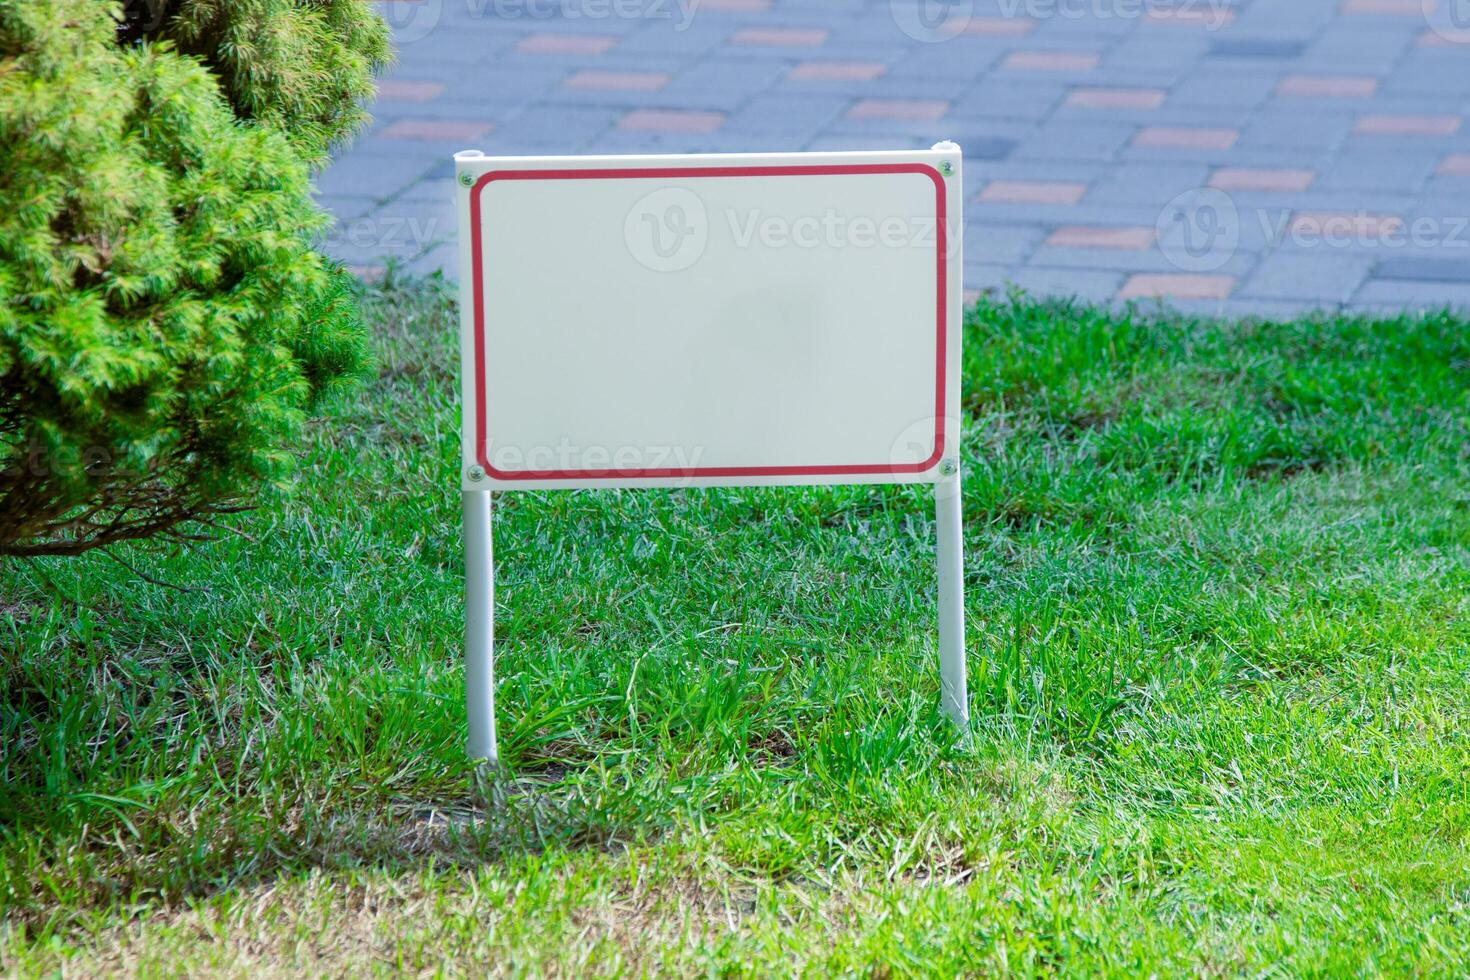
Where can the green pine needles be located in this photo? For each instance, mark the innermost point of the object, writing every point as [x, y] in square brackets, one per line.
[166, 324]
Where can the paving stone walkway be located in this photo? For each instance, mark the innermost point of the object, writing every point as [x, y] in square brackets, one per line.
[1249, 157]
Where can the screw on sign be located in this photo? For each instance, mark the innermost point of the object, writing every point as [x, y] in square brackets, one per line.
[739, 320]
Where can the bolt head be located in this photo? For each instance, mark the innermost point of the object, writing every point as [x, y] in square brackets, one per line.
[476, 473]
[949, 467]
[946, 168]
[466, 180]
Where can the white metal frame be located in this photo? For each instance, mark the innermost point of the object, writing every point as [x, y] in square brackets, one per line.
[946, 477]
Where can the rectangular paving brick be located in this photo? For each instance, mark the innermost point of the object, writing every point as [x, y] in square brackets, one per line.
[999, 26]
[435, 129]
[781, 37]
[1115, 98]
[907, 109]
[1395, 125]
[1454, 165]
[837, 71]
[618, 81]
[578, 44]
[1256, 48]
[671, 121]
[1185, 137]
[1321, 278]
[407, 90]
[1328, 86]
[1344, 226]
[1101, 236]
[1033, 192]
[1050, 61]
[1170, 285]
[1419, 269]
[1281, 180]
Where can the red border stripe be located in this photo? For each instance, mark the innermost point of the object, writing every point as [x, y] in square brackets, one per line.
[940, 305]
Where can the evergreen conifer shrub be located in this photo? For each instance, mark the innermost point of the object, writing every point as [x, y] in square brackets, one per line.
[165, 323]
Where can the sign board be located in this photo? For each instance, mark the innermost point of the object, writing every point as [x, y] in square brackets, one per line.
[732, 319]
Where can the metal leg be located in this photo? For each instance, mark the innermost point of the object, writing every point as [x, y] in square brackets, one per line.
[479, 626]
[954, 692]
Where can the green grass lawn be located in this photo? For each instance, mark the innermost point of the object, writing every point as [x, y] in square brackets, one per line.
[1219, 644]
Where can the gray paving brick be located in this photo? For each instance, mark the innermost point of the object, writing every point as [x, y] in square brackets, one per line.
[1419, 269]
[1324, 278]
[1000, 244]
[1400, 294]
[1127, 260]
[1224, 87]
[375, 176]
[1087, 285]
[1275, 49]
[1063, 140]
[1147, 183]
[787, 115]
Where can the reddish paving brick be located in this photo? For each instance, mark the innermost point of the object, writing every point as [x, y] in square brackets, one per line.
[1386, 125]
[1184, 137]
[915, 110]
[1176, 285]
[1033, 192]
[781, 37]
[1116, 98]
[999, 26]
[1328, 86]
[435, 129]
[1250, 179]
[405, 90]
[1454, 165]
[837, 71]
[1090, 236]
[1345, 225]
[619, 81]
[1050, 61]
[672, 121]
[585, 44]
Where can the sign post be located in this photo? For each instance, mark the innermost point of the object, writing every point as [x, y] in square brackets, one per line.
[708, 320]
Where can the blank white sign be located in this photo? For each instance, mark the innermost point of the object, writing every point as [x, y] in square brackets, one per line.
[711, 319]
